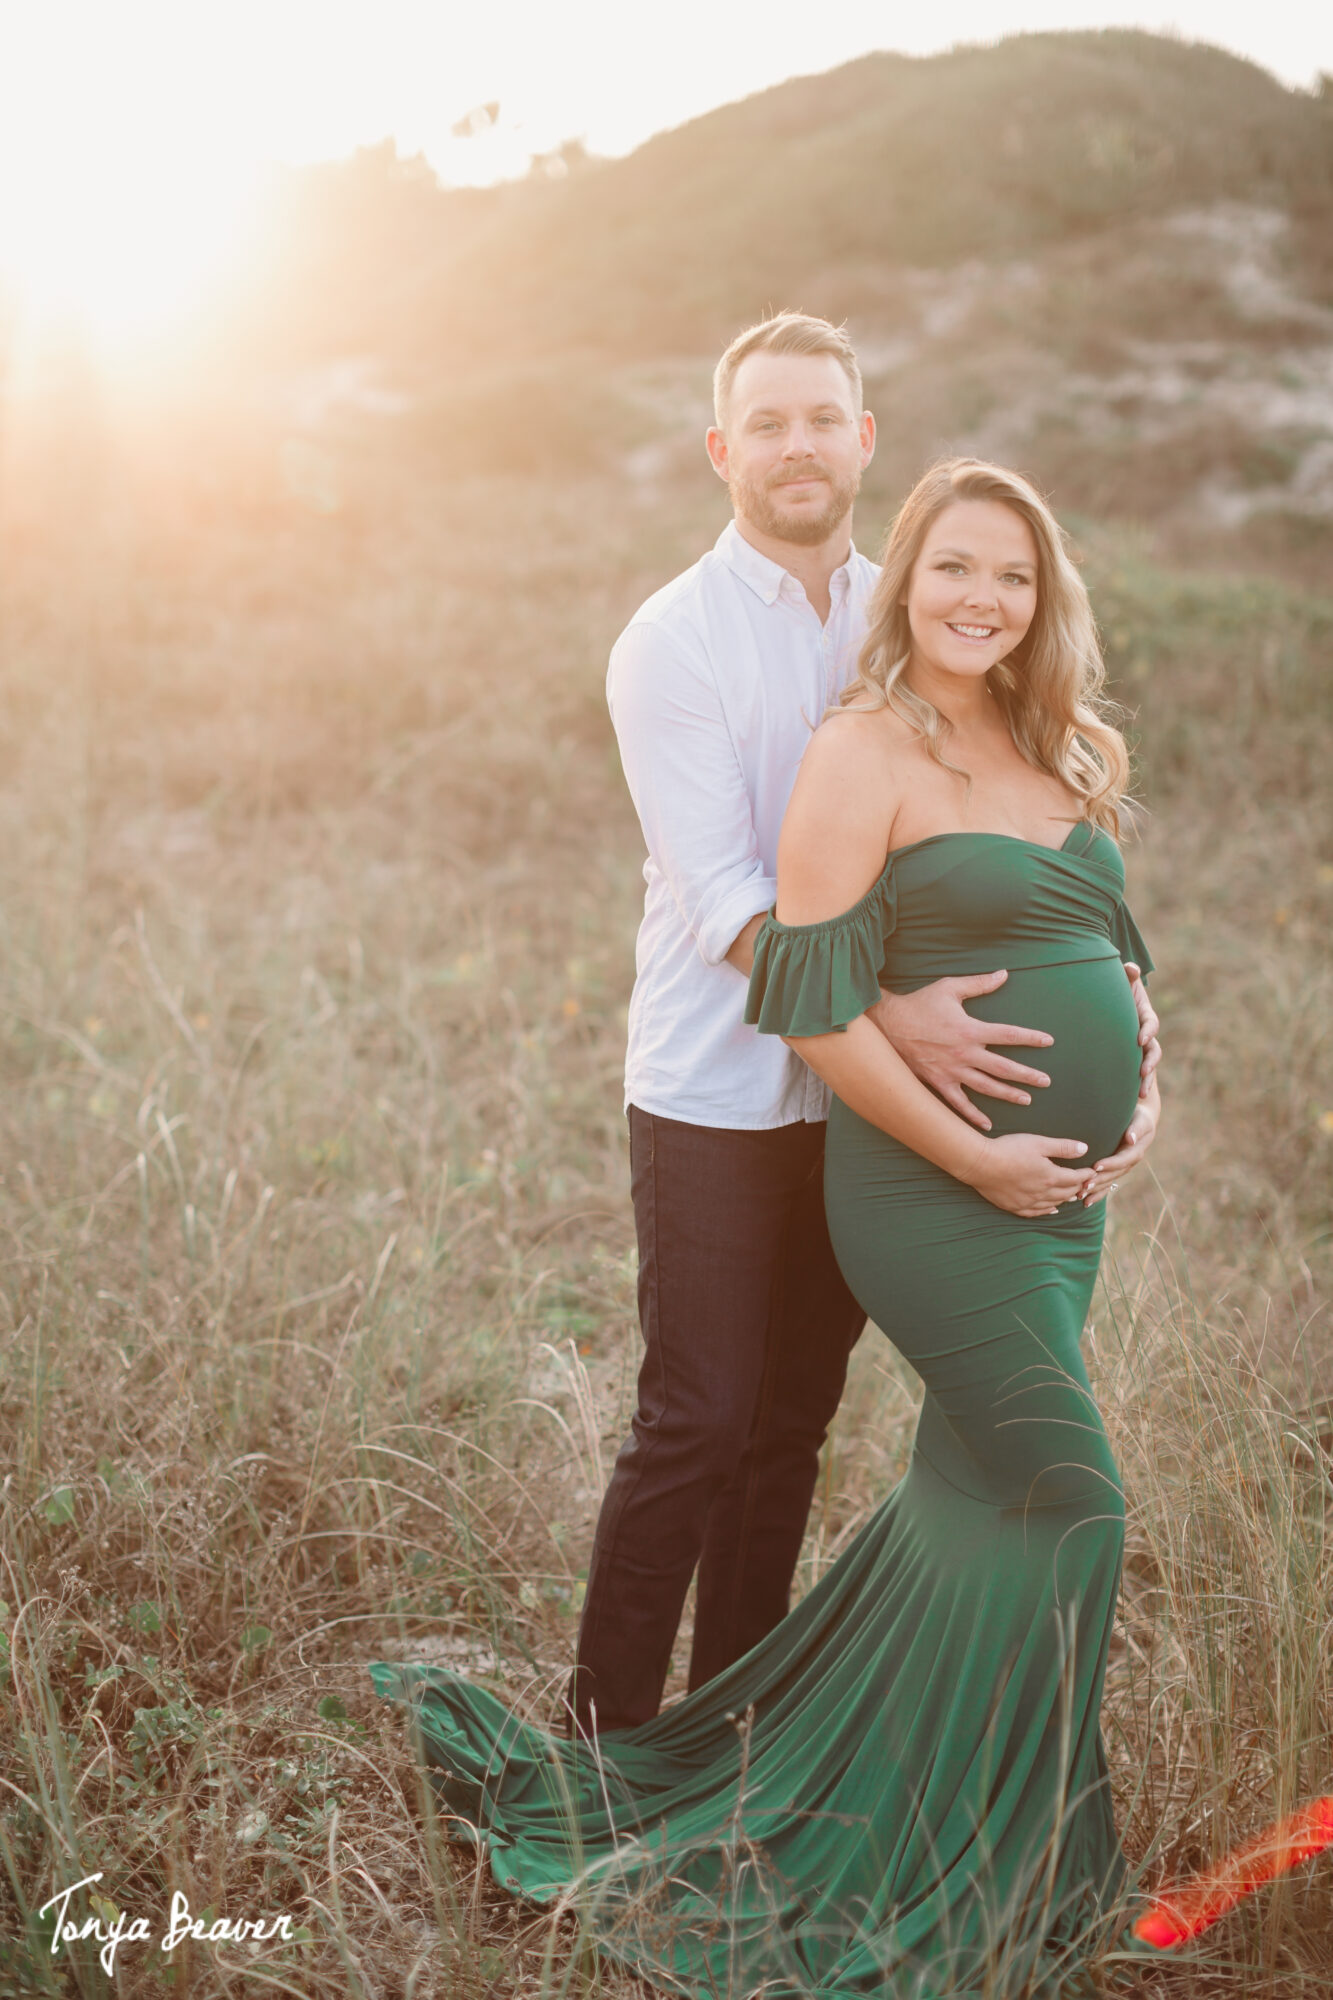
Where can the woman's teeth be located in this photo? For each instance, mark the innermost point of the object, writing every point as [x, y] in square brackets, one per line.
[972, 631]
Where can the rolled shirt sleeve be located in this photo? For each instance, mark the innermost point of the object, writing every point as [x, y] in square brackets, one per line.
[688, 787]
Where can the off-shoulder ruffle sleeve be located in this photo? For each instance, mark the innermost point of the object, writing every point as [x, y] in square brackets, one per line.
[1128, 939]
[812, 979]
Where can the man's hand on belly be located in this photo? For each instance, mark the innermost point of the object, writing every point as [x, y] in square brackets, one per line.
[1142, 1130]
[946, 1047]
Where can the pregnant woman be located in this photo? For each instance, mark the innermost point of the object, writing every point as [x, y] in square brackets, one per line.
[902, 1790]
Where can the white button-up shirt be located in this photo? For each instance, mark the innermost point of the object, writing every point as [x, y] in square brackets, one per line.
[715, 686]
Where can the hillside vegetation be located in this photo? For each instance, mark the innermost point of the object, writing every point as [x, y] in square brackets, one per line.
[818, 189]
[1105, 257]
[887, 162]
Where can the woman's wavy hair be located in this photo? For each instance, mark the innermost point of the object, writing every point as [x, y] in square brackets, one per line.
[1049, 687]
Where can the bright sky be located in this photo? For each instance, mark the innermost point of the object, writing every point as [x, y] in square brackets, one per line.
[133, 132]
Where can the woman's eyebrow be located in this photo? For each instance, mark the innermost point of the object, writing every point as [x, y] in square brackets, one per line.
[966, 555]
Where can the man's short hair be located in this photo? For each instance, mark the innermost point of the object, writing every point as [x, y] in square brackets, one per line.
[785, 333]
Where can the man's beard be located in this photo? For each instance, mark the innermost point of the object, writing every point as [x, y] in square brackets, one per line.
[756, 504]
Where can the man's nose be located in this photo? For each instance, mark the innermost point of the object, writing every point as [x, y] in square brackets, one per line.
[799, 444]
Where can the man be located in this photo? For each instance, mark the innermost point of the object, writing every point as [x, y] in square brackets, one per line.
[714, 688]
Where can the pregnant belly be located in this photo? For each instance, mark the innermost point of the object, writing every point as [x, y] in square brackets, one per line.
[1094, 1064]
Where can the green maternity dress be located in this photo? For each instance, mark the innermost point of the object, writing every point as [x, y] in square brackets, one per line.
[902, 1791]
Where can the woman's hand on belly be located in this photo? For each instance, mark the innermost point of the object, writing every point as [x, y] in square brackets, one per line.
[1024, 1172]
[1141, 1132]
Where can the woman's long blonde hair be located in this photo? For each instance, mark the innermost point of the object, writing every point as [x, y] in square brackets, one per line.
[1049, 687]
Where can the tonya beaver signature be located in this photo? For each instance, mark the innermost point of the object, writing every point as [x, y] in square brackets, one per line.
[135, 1930]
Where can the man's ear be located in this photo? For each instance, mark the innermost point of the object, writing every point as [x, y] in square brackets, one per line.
[715, 444]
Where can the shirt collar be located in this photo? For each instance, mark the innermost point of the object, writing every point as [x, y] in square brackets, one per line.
[766, 577]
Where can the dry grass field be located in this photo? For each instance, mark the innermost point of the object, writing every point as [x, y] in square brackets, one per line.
[318, 892]
[319, 887]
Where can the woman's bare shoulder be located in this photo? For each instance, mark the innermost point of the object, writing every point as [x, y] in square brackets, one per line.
[858, 747]
[838, 825]
[851, 737]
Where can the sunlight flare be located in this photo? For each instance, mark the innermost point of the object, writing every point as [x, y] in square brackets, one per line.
[126, 242]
